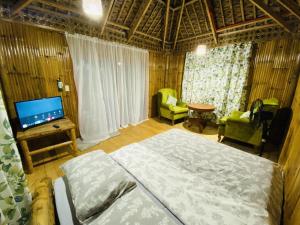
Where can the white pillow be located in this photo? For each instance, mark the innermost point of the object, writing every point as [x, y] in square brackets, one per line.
[245, 115]
[95, 181]
[171, 100]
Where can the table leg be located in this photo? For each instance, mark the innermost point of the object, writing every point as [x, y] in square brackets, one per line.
[27, 156]
[73, 138]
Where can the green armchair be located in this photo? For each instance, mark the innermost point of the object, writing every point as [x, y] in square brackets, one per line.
[169, 111]
[242, 129]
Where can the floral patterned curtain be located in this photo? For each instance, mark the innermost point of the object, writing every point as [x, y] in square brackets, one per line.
[15, 198]
[219, 77]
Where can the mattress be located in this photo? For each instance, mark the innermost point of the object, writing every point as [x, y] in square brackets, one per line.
[205, 182]
[196, 181]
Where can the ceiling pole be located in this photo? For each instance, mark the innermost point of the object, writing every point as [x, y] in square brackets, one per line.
[231, 11]
[179, 22]
[138, 18]
[150, 17]
[291, 6]
[153, 21]
[203, 13]
[274, 15]
[106, 15]
[62, 7]
[166, 23]
[129, 11]
[121, 10]
[242, 9]
[21, 4]
[171, 25]
[209, 10]
[222, 12]
[189, 19]
[157, 23]
[197, 19]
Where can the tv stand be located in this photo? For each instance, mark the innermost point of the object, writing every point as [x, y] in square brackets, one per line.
[58, 126]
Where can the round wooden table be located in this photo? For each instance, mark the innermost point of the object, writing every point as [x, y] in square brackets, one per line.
[200, 108]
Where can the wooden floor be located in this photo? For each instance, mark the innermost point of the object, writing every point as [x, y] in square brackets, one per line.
[130, 135]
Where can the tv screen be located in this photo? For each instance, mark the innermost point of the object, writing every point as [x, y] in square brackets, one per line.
[39, 111]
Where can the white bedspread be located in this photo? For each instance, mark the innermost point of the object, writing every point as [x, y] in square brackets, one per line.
[205, 182]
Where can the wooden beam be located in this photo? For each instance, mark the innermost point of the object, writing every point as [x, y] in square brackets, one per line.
[231, 11]
[153, 21]
[209, 11]
[203, 13]
[197, 19]
[171, 25]
[121, 10]
[150, 17]
[197, 36]
[222, 12]
[291, 6]
[249, 29]
[244, 23]
[147, 35]
[274, 15]
[158, 21]
[62, 7]
[189, 19]
[21, 4]
[242, 9]
[186, 4]
[179, 22]
[106, 15]
[118, 25]
[138, 18]
[166, 23]
[129, 11]
[184, 27]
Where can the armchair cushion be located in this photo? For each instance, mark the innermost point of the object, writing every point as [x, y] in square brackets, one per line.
[178, 109]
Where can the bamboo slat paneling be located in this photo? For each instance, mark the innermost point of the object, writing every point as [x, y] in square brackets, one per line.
[175, 72]
[157, 71]
[166, 70]
[275, 70]
[290, 159]
[31, 61]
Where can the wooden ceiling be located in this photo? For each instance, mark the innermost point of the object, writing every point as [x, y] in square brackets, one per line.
[168, 25]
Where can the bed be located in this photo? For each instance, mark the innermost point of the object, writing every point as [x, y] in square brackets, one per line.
[188, 179]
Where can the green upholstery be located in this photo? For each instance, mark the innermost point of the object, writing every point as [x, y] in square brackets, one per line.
[241, 129]
[169, 111]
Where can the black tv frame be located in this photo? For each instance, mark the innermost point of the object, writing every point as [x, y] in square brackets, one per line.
[18, 117]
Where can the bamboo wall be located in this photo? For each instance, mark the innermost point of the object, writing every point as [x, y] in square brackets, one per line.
[290, 159]
[166, 71]
[275, 70]
[31, 61]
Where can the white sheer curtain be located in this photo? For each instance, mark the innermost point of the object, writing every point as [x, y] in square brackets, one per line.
[112, 85]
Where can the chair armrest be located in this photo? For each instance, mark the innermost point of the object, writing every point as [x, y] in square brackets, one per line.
[181, 104]
[238, 120]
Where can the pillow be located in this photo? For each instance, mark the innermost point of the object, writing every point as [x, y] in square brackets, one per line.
[95, 182]
[171, 100]
[245, 115]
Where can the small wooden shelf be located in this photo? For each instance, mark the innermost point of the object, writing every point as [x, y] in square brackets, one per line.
[64, 126]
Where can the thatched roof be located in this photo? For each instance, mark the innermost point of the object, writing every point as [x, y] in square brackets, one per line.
[165, 24]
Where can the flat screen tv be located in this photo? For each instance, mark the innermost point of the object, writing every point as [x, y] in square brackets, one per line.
[39, 111]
